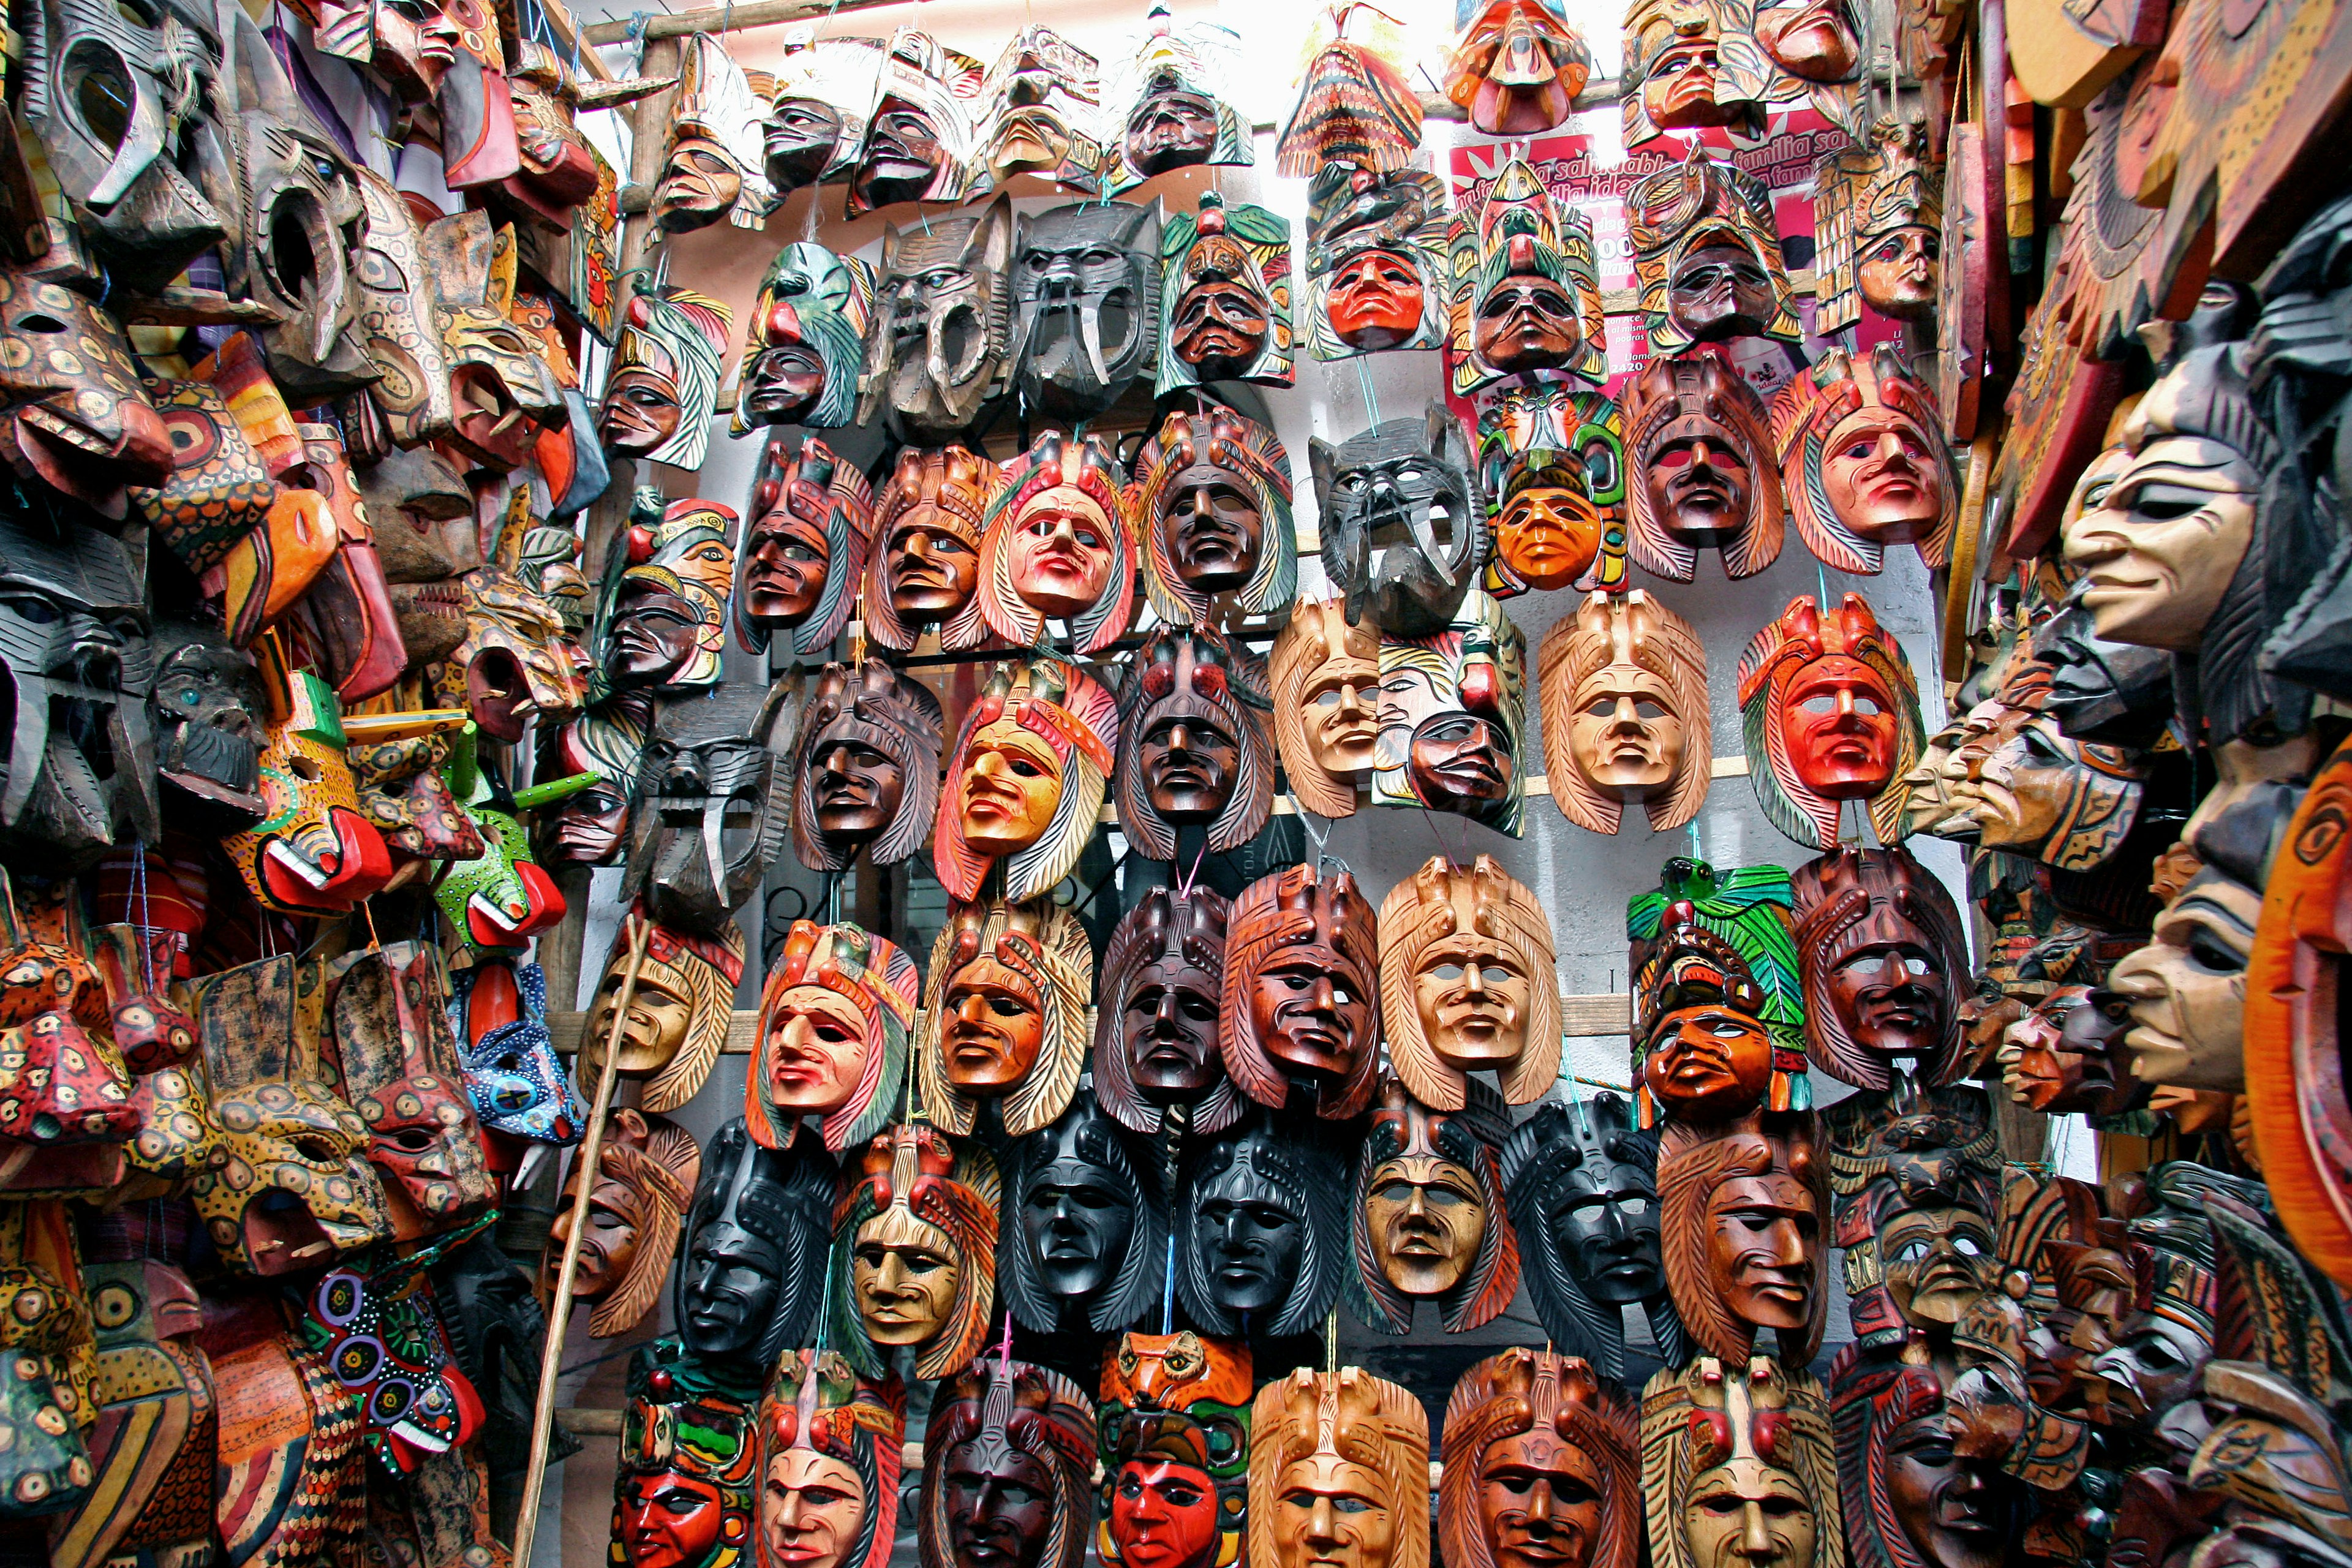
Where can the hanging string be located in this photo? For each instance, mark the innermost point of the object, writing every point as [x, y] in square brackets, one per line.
[1364, 381]
[1168, 1291]
[146, 926]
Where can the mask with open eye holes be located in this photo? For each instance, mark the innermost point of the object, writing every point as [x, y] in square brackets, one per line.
[804, 344]
[1546, 1464]
[866, 769]
[708, 761]
[942, 323]
[1156, 1062]
[1404, 532]
[1194, 746]
[1086, 292]
[825, 95]
[1162, 102]
[1526, 286]
[1039, 106]
[806, 550]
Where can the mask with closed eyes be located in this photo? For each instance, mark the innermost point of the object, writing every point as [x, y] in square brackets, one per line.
[1527, 289]
[1707, 256]
[1453, 718]
[1085, 290]
[707, 762]
[1377, 272]
[751, 1270]
[1402, 531]
[678, 1015]
[1225, 301]
[804, 345]
[942, 323]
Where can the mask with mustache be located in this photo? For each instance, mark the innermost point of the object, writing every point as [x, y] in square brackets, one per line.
[1548, 1470]
[1700, 473]
[942, 323]
[1402, 530]
[1224, 308]
[709, 773]
[804, 344]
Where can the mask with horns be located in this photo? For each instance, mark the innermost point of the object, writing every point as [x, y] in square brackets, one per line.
[707, 756]
[1832, 708]
[1528, 1421]
[1408, 474]
[942, 323]
[1340, 1455]
[1025, 780]
[835, 1014]
[1085, 1235]
[866, 769]
[1084, 272]
[1156, 1029]
[1005, 1014]
[1469, 984]
[1193, 748]
[1297, 1000]
[1739, 1444]
[1428, 1220]
[918, 1221]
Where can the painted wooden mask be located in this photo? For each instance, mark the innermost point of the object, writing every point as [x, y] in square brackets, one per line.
[68, 1102]
[422, 517]
[559, 168]
[1193, 748]
[1830, 702]
[153, 1380]
[503, 390]
[1225, 298]
[1749, 908]
[2021, 785]
[664, 377]
[1297, 1005]
[1156, 1028]
[516, 662]
[1453, 718]
[1518, 66]
[925, 566]
[1897, 1460]
[665, 625]
[1427, 1219]
[205, 709]
[587, 829]
[916, 1221]
[1174, 1427]
[2102, 693]
[1339, 1465]
[1376, 261]
[677, 1016]
[314, 851]
[1734, 1445]
[1469, 984]
[1579, 1184]
[522, 1089]
[1707, 256]
[1675, 75]
[684, 1489]
[393, 300]
[804, 345]
[1004, 1014]
[1743, 1214]
[708, 761]
[921, 139]
[78, 418]
[1624, 686]
[1164, 106]
[1882, 950]
[1878, 210]
[830, 1443]
[1551, 462]
[1526, 292]
[1542, 1453]
[1706, 1051]
[836, 1011]
[1085, 1236]
[646, 1170]
[1354, 105]
[865, 768]
[1864, 462]
[219, 491]
[1326, 675]
[1039, 105]
[1262, 1226]
[752, 1273]
[1410, 476]
[1058, 542]
[1918, 1182]
[1025, 779]
[1085, 290]
[826, 89]
[1008, 1469]
[942, 324]
[1212, 505]
[715, 163]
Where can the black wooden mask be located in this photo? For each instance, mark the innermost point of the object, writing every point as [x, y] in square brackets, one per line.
[1264, 1230]
[1086, 290]
[1156, 1052]
[866, 772]
[207, 709]
[751, 1258]
[1083, 1237]
[1403, 534]
[1192, 745]
[2108, 693]
[708, 816]
[941, 324]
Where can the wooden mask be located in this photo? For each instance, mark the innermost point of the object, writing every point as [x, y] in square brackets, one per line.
[1624, 687]
[1700, 469]
[1212, 505]
[1517, 68]
[1748, 907]
[715, 163]
[1377, 274]
[1008, 1469]
[1174, 1429]
[1453, 718]
[1354, 106]
[1918, 1184]
[835, 1014]
[1339, 1458]
[1059, 541]
[1086, 295]
[559, 169]
[830, 1452]
[1156, 1052]
[818, 115]
[1225, 298]
[1579, 1183]
[921, 137]
[865, 768]
[1831, 708]
[1538, 1465]
[1878, 210]
[1427, 1218]
[664, 377]
[205, 710]
[1085, 1235]
[751, 1270]
[646, 1170]
[345, 623]
[683, 1490]
[924, 569]
[2025, 787]
[942, 323]
[1707, 256]
[289, 1133]
[522, 1089]
[1864, 462]
[313, 852]
[1469, 984]
[503, 390]
[707, 758]
[1025, 779]
[1743, 1212]
[516, 662]
[679, 1014]
[1526, 281]
[1193, 748]
[1296, 1006]
[1038, 106]
[68, 1103]
[2067, 1053]
[1883, 954]
[1004, 1014]
[1326, 679]
[587, 829]
[1733, 1447]
[496, 900]
[422, 517]
[663, 625]
[804, 344]
[1408, 474]
[917, 1225]
[2102, 693]
[219, 491]
[393, 298]
[1705, 1052]
[157, 1438]
[1261, 1230]
[1163, 103]
[78, 418]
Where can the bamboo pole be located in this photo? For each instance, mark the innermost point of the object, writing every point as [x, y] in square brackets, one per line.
[558, 1310]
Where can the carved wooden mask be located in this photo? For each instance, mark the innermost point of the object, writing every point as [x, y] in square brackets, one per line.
[1863, 461]
[1354, 107]
[1705, 1053]
[683, 1490]
[804, 344]
[1224, 297]
[1700, 469]
[1085, 1236]
[1004, 1014]
[1008, 1469]
[1748, 907]
[1212, 506]
[1892, 1422]
[921, 137]
[587, 829]
[865, 768]
[1174, 1429]
[715, 163]
[1085, 293]
[422, 517]
[1883, 954]
[1878, 211]
[2102, 693]
[393, 300]
[1163, 105]
[834, 1014]
[664, 628]
[1538, 1461]
[1410, 475]
[1322, 1440]
[1517, 67]
[1453, 718]
[917, 1222]
[314, 852]
[707, 760]
[664, 377]
[1296, 1007]
[1326, 675]
[1735, 1445]
[826, 93]
[503, 389]
[2020, 785]
[645, 1174]
[1377, 271]
[1525, 291]
[219, 491]
[206, 709]
[522, 1089]
[516, 661]
[679, 1014]
[1707, 256]
[1156, 1025]
[1831, 703]
[830, 1445]
[751, 1271]
[1039, 106]
[925, 564]
[1427, 1217]
[1261, 1221]
[1469, 984]
[942, 323]
[1193, 748]
[78, 418]
[143, 1311]
[1675, 77]
[1025, 779]
[1743, 1215]
[1058, 542]
[68, 1105]
[1624, 687]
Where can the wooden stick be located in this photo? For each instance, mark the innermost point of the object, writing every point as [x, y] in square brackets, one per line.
[558, 1310]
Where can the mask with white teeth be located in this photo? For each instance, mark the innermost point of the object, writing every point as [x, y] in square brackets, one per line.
[711, 810]
[1086, 287]
[1401, 536]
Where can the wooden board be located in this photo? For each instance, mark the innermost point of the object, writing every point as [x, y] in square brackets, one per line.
[2064, 54]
